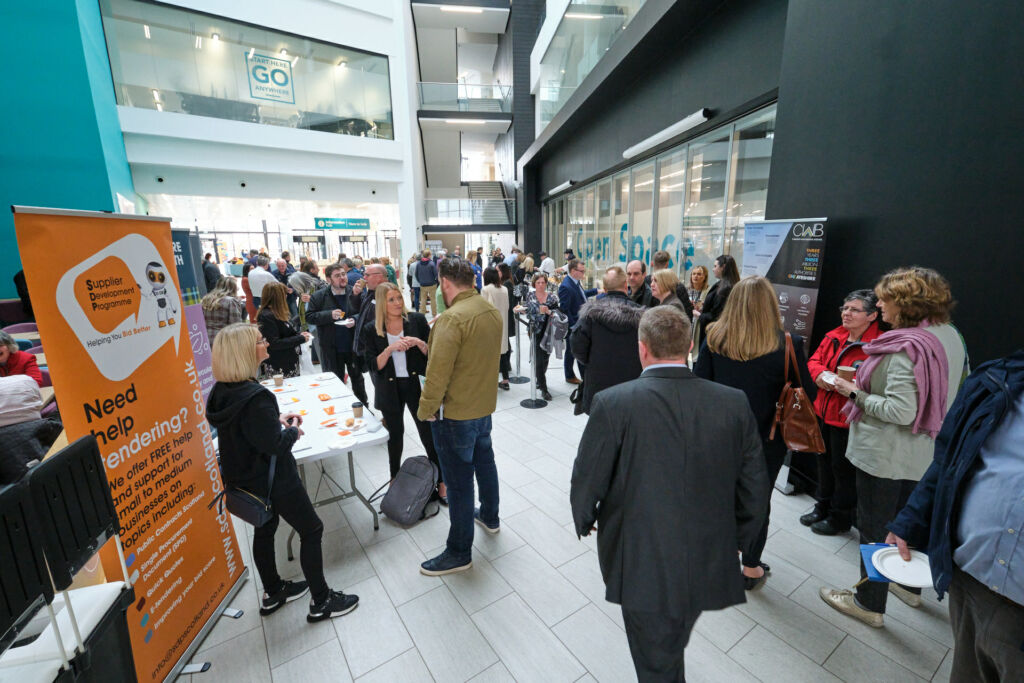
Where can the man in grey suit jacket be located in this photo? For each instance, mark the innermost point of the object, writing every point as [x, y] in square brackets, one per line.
[670, 471]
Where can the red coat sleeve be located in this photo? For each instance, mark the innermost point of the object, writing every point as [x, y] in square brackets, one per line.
[25, 364]
[817, 363]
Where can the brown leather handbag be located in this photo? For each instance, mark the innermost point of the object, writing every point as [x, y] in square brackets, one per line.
[794, 412]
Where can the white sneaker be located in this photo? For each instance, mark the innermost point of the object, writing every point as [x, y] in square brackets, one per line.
[842, 601]
[911, 599]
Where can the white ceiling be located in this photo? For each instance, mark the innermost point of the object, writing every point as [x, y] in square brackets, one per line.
[238, 213]
[488, 20]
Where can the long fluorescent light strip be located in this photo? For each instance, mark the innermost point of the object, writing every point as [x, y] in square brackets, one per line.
[462, 10]
[695, 119]
[559, 188]
[582, 15]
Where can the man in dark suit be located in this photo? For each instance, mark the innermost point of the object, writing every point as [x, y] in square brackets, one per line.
[337, 303]
[571, 296]
[670, 471]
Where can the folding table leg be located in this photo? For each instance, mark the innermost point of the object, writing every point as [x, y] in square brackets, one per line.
[359, 494]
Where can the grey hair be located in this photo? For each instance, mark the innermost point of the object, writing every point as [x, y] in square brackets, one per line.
[8, 341]
[263, 261]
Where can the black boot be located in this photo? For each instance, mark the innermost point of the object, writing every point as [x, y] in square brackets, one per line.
[815, 515]
[835, 523]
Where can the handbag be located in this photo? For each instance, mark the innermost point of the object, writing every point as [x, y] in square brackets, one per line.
[245, 504]
[794, 412]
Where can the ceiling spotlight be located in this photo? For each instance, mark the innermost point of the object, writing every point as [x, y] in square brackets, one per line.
[342, 64]
[199, 42]
[145, 30]
[215, 36]
[252, 51]
[156, 95]
[295, 61]
[283, 53]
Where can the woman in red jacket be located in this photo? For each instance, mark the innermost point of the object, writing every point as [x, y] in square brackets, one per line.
[837, 488]
[15, 362]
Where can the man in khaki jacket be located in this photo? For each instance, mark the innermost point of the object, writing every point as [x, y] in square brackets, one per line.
[458, 398]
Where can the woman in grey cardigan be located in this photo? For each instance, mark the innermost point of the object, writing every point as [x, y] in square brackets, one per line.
[897, 402]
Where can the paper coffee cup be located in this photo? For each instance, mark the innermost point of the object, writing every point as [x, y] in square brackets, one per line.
[847, 372]
[278, 380]
[357, 409]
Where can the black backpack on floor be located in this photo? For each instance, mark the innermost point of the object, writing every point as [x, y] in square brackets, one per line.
[406, 499]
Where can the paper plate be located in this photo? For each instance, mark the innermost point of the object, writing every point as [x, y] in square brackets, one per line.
[342, 443]
[917, 573]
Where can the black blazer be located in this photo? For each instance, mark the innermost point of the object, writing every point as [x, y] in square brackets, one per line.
[283, 340]
[760, 378]
[670, 468]
[319, 313]
[385, 395]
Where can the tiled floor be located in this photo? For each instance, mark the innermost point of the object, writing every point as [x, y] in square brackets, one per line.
[532, 607]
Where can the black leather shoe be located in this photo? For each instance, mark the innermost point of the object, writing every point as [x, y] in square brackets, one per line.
[545, 394]
[815, 515]
[752, 584]
[829, 527]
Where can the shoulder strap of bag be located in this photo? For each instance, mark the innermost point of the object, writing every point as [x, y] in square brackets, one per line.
[780, 404]
[791, 355]
[270, 476]
[789, 350]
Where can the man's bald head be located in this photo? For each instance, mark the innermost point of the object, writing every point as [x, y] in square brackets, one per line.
[635, 271]
[375, 274]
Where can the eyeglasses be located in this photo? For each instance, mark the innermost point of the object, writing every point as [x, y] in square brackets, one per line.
[844, 309]
[261, 342]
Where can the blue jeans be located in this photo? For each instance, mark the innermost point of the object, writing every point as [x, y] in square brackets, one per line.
[464, 448]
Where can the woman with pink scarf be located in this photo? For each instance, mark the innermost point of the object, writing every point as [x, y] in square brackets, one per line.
[895, 408]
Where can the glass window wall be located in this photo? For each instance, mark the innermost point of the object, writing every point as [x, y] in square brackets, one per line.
[706, 190]
[170, 59]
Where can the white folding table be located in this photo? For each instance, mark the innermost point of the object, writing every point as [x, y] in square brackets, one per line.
[316, 395]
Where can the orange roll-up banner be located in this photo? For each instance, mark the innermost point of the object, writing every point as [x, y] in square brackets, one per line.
[108, 305]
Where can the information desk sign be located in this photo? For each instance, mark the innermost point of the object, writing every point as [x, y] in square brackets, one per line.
[342, 223]
[789, 253]
[109, 309]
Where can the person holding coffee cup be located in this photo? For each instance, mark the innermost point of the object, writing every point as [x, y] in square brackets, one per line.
[838, 355]
[283, 339]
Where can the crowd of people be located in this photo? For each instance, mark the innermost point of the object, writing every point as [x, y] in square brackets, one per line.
[675, 470]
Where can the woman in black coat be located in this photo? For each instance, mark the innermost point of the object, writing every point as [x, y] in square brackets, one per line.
[283, 339]
[505, 275]
[746, 349]
[728, 275]
[251, 431]
[395, 351]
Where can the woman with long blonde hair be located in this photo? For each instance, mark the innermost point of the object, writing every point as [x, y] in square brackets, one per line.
[395, 351]
[283, 340]
[746, 349]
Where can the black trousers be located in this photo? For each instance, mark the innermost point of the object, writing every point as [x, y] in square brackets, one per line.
[775, 456]
[346, 361]
[292, 503]
[540, 363]
[988, 630]
[657, 644]
[408, 396]
[837, 477]
[505, 363]
[878, 501]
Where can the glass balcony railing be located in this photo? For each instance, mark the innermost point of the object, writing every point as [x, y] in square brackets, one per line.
[170, 59]
[471, 211]
[465, 97]
[586, 31]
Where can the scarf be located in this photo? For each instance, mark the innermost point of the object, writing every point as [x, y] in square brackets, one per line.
[931, 373]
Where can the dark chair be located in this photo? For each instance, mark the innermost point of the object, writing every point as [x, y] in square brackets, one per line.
[21, 327]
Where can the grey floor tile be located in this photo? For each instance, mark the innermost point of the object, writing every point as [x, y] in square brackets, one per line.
[493, 546]
[945, 671]
[495, 674]
[324, 663]
[809, 557]
[511, 502]
[771, 659]
[432, 532]
[930, 619]
[227, 628]
[451, 646]
[405, 668]
[239, 660]
[397, 563]
[514, 474]
[855, 661]
[372, 634]
[361, 521]
[786, 577]
[345, 563]
[799, 628]
[548, 593]
[895, 640]
[549, 499]
[789, 520]
[527, 649]
[584, 572]
[724, 627]
[598, 644]
[478, 587]
[555, 472]
[553, 542]
[288, 634]
[705, 663]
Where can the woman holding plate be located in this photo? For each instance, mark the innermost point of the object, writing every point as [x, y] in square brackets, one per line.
[896, 405]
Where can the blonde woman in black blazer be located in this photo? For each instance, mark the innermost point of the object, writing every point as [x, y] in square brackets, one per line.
[395, 351]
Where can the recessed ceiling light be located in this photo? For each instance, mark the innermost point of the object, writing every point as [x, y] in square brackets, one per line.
[471, 121]
[283, 53]
[215, 36]
[156, 95]
[199, 42]
[461, 10]
[582, 15]
[343, 64]
[145, 30]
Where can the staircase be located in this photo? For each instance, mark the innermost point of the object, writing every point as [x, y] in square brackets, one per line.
[489, 212]
[481, 104]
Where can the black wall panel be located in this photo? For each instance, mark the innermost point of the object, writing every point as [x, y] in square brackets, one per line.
[902, 122]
